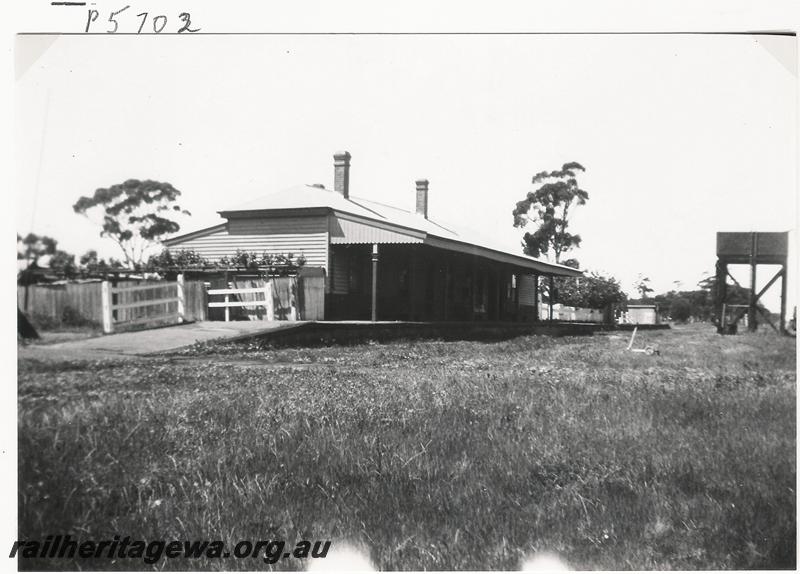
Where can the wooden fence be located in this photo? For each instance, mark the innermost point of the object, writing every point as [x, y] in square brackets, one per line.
[142, 301]
[68, 303]
[139, 304]
[288, 299]
[311, 294]
[245, 298]
[81, 301]
[567, 313]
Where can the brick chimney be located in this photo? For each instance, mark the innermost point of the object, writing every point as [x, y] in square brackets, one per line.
[341, 173]
[422, 197]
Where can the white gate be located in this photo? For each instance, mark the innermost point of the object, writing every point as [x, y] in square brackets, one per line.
[266, 302]
[114, 312]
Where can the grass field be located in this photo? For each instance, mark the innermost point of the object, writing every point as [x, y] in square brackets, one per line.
[428, 455]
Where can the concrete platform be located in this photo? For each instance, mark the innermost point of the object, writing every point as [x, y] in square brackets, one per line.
[315, 333]
[299, 333]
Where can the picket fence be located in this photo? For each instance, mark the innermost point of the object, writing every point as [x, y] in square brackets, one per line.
[566, 313]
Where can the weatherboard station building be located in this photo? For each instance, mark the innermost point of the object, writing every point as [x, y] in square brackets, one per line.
[380, 262]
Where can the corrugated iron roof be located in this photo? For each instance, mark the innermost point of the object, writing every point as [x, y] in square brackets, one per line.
[465, 240]
[302, 197]
[346, 230]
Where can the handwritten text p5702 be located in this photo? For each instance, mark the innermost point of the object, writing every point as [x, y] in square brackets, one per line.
[125, 20]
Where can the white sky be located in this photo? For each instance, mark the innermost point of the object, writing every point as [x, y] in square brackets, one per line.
[682, 135]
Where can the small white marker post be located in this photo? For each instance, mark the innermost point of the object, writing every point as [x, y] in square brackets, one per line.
[648, 350]
[633, 336]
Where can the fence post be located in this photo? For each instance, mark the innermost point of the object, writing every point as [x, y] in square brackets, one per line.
[269, 301]
[296, 300]
[206, 310]
[181, 299]
[722, 319]
[108, 324]
[293, 299]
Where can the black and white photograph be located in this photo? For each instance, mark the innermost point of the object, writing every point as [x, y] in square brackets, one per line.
[415, 300]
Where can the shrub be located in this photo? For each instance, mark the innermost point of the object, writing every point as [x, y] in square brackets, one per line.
[680, 310]
[594, 291]
[71, 317]
[44, 322]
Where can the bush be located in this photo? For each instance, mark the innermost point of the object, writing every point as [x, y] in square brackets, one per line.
[71, 317]
[594, 291]
[44, 322]
[680, 310]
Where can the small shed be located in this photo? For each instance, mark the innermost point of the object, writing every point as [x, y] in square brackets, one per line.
[641, 315]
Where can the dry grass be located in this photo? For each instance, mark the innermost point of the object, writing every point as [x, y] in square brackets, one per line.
[432, 455]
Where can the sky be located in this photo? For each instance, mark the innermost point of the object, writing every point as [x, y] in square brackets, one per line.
[681, 135]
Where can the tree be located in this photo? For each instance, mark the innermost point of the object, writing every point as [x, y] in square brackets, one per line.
[134, 214]
[90, 263]
[643, 286]
[701, 302]
[89, 259]
[549, 208]
[735, 295]
[680, 310]
[573, 263]
[558, 283]
[594, 291]
[63, 264]
[32, 247]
